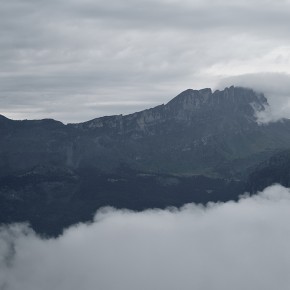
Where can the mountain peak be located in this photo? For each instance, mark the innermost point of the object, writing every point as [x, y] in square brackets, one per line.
[231, 98]
[191, 96]
[190, 106]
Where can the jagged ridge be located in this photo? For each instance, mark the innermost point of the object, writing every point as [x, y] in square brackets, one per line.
[54, 175]
[187, 105]
[199, 131]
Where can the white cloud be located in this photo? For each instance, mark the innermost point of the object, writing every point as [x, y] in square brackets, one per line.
[275, 86]
[58, 56]
[243, 245]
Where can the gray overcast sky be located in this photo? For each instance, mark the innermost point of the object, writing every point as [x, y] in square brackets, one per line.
[74, 60]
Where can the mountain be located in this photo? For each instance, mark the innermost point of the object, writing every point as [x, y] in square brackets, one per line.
[274, 170]
[198, 132]
[201, 146]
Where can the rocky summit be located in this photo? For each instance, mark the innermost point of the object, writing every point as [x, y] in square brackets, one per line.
[201, 146]
[197, 132]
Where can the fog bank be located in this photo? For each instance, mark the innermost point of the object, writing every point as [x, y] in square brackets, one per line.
[233, 245]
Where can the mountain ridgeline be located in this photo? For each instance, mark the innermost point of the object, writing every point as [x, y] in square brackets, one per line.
[198, 132]
[201, 146]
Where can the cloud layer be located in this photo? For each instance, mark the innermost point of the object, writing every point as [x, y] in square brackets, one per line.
[74, 60]
[243, 245]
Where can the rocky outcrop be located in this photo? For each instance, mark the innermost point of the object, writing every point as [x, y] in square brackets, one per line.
[199, 131]
[199, 147]
[188, 105]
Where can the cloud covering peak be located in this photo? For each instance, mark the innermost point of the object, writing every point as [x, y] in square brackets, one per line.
[275, 86]
[233, 245]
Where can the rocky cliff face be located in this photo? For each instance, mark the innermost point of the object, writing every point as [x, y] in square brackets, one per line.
[213, 133]
[186, 108]
[198, 147]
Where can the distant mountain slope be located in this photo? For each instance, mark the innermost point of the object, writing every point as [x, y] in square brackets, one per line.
[201, 146]
[198, 132]
[274, 170]
[53, 199]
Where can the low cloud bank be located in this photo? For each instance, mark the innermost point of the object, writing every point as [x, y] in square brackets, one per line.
[233, 245]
